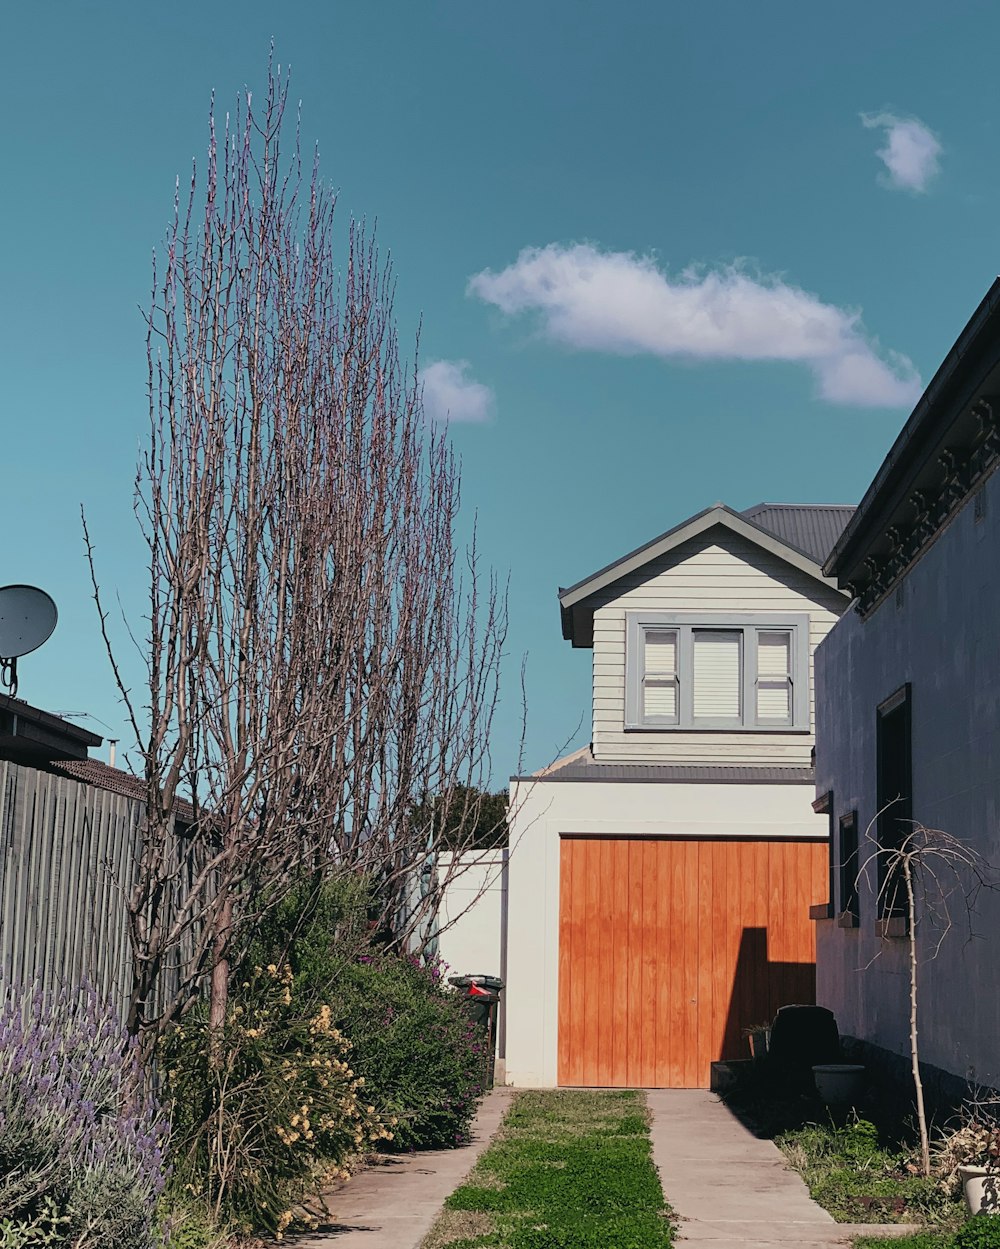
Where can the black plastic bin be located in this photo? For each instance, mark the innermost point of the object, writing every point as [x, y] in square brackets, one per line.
[481, 994]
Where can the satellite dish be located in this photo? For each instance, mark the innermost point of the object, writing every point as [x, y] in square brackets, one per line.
[27, 617]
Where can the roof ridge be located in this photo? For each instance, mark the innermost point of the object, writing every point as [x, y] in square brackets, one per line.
[830, 507]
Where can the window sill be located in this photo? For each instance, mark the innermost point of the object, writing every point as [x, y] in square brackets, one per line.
[847, 919]
[787, 729]
[822, 910]
[892, 927]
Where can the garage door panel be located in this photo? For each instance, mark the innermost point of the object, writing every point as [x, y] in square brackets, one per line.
[670, 947]
[647, 988]
[661, 1043]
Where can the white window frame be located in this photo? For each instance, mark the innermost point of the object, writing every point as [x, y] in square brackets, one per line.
[748, 625]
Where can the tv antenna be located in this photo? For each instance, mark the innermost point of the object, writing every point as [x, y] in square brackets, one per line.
[27, 617]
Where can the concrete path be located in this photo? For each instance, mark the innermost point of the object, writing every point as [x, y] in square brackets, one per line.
[728, 1188]
[393, 1204]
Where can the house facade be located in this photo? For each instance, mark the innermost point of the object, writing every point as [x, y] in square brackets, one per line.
[660, 880]
[908, 723]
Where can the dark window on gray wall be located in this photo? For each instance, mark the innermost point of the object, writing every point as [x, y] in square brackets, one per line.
[824, 806]
[894, 794]
[847, 857]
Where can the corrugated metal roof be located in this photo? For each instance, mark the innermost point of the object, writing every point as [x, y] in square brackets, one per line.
[586, 769]
[812, 528]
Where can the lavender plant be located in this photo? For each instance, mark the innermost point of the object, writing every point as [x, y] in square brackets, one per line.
[81, 1143]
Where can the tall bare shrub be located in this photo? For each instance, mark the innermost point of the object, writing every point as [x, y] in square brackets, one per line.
[321, 655]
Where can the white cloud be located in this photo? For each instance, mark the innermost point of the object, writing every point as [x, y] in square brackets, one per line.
[624, 303]
[451, 395]
[911, 150]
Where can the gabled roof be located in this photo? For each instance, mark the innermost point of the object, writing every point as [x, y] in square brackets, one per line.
[573, 600]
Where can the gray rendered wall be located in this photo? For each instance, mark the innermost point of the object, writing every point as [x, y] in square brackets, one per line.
[944, 638]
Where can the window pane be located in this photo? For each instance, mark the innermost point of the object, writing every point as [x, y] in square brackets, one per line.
[717, 675]
[774, 686]
[661, 653]
[774, 700]
[774, 653]
[660, 699]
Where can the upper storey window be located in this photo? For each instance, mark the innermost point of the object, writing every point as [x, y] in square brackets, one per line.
[746, 672]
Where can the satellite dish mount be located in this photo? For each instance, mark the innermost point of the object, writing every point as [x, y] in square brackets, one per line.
[27, 617]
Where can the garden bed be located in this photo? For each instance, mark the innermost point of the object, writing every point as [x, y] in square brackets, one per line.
[567, 1168]
[862, 1167]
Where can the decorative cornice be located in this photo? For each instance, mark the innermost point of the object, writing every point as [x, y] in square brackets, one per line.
[960, 471]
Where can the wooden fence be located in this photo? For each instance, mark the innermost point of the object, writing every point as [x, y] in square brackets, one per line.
[67, 854]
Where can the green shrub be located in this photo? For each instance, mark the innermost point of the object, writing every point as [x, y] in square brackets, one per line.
[981, 1232]
[264, 1108]
[189, 1225]
[415, 1043]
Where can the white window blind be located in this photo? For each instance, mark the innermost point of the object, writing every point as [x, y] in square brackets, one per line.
[774, 680]
[717, 674]
[659, 686]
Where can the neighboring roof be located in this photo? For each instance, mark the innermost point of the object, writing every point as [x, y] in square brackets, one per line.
[582, 766]
[812, 528]
[99, 775]
[30, 735]
[913, 471]
[577, 621]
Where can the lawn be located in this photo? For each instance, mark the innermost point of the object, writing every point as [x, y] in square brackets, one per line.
[567, 1170]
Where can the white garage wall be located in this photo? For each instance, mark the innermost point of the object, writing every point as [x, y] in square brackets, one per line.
[542, 810]
[472, 914]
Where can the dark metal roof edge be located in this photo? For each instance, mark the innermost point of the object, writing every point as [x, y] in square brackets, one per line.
[917, 427]
[46, 719]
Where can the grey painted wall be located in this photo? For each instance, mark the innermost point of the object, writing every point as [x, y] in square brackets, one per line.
[943, 636]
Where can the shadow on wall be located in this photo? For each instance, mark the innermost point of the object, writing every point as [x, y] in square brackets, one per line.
[759, 988]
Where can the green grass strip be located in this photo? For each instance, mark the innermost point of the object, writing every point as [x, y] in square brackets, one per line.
[567, 1170]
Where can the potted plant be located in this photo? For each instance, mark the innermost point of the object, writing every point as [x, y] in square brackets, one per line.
[981, 1183]
[758, 1035]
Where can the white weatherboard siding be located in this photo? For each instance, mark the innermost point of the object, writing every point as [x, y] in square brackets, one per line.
[542, 811]
[716, 572]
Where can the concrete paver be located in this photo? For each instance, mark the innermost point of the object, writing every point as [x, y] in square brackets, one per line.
[729, 1188]
[393, 1204]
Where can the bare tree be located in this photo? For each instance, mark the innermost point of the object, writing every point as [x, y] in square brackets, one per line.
[930, 878]
[321, 655]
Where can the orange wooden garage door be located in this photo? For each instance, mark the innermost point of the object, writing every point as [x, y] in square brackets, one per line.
[669, 948]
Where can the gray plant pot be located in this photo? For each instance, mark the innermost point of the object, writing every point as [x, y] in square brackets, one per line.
[839, 1084]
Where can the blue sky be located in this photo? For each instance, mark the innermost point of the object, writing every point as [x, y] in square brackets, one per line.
[654, 245]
